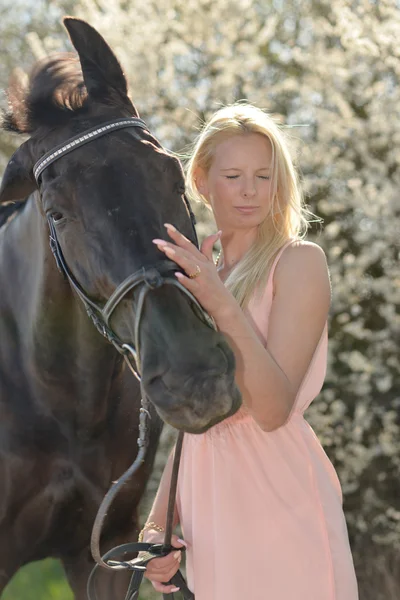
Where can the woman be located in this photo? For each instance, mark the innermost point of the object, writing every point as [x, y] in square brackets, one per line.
[259, 502]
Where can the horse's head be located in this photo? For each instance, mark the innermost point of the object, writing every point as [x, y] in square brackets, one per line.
[105, 200]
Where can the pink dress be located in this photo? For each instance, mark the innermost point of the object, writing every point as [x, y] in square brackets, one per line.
[262, 511]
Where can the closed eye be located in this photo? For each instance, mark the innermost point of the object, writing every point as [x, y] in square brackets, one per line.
[265, 177]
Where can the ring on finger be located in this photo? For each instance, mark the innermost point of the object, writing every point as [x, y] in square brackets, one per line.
[195, 274]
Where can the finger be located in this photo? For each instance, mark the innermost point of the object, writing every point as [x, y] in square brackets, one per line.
[164, 589]
[165, 563]
[190, 284]
[173, 250]
[188, 263]
[208, 244]
[178, 542]
[163, 577]
[181, 240]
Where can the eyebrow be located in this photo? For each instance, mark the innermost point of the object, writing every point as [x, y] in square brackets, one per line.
[237, 169]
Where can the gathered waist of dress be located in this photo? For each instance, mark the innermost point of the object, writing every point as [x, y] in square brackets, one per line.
[243, 416]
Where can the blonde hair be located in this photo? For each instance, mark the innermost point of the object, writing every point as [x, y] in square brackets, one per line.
[289, 217]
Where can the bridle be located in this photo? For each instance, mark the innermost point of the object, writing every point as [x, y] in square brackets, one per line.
[149, 278]
[146, 279]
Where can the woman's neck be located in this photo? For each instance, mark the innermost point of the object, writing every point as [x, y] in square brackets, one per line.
[234, 245]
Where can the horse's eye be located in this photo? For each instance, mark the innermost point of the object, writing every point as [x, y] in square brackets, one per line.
[57, 217]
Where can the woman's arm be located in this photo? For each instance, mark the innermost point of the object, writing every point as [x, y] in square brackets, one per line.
[269, 377]
[161, 570]
[158, 513]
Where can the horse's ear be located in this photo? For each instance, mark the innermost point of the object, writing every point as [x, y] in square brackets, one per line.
[18, 180]
[100, 67]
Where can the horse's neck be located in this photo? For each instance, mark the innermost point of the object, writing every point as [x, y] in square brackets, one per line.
[68, 365]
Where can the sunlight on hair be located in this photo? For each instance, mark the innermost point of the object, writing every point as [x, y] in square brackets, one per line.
[289, 217]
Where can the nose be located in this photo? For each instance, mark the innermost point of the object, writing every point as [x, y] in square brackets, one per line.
[249, 188]
[188, 369]
[186, 375]
[193, 393]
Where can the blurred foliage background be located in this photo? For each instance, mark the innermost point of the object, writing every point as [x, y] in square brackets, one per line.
[330, 71]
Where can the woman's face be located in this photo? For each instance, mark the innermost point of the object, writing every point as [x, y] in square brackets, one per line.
[238, 184]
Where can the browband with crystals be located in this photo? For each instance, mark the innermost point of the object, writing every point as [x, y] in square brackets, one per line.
[81, 139]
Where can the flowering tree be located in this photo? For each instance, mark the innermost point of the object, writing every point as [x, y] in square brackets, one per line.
[23, 27]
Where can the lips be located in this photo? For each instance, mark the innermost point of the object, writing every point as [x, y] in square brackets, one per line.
[246, 209]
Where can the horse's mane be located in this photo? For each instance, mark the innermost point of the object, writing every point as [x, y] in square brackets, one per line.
[55, 89]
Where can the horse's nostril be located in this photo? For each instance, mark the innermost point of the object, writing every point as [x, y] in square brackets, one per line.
[179, 370]
[194, 377]
[221, 360]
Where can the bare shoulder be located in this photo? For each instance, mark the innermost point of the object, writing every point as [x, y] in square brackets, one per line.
[302, 263]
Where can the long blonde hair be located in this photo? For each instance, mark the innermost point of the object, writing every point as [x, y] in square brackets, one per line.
[289, 217]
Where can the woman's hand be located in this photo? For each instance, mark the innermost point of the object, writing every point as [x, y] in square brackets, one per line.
[201, 278]
[161, 570]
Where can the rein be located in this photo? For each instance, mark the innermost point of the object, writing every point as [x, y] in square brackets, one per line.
[146, 279]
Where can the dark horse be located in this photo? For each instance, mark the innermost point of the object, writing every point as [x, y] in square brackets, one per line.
[68, 403]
